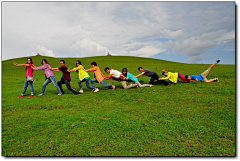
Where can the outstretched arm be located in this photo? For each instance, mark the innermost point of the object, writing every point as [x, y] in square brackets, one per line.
[125, 78]
[107, 77]
[139, 75]
[73, 70]
[194, 80]
[167, 77]
[20, 65]
[90, 70]
[55, 69]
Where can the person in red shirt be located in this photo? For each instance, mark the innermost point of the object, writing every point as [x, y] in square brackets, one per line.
[65, 78]
[29, 72]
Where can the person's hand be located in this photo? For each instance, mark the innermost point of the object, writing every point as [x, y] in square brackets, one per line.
[71, 70]
[159, 78]
[14, 63]
[33, 67]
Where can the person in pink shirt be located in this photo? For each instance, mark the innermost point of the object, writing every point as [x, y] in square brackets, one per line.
[29, 72]
[50, 77]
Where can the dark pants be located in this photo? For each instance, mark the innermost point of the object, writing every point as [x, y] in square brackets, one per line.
[67, 82]
[155, 77]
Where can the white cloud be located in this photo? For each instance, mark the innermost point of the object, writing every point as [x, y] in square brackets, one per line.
[44, 51]
[172, 34]
[146, 51]
[88, 47]
[220, 36]
[192, 48]
[212, 35]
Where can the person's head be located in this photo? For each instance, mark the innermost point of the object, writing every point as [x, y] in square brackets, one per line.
[188, 78]
[164, 72]
[44, 61]
[78, 63]
[93, 64]
[29, 61]
[140, 69]
[107, 70]
[124, 71]
[62, 63]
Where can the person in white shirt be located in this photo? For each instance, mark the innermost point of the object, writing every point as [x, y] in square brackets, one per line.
[118, 76]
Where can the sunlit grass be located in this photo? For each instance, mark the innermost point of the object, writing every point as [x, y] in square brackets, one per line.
[185, 119]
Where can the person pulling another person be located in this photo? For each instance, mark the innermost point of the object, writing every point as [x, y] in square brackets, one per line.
[153, 76]
[65, 78]
[118, 76]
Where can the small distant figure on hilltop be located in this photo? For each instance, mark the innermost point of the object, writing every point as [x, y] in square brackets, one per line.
[38, 54]
[109, 54]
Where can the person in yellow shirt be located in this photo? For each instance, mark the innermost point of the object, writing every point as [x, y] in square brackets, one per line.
[173, 77]
[83, 75]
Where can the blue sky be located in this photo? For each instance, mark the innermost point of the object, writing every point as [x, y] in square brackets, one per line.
[188, 32]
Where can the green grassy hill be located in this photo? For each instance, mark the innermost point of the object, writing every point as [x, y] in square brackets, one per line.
[184, 119]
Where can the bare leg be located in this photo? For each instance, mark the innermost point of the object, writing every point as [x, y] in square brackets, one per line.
[212, 66]
[125, 85]
[144, 85]
[210, 80]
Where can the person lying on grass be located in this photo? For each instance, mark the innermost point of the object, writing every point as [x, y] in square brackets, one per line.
[65, 78]
[129, 76]
[29, 72]
[203, 76]
[153, 76]
[118, 76]
[98, 77]
[49, 76]
[173, 77]
[83, 75]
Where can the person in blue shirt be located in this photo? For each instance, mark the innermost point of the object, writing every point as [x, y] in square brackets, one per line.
[129, 77]
[203, 76]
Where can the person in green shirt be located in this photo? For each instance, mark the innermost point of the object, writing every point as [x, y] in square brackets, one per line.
[129, 77]
[83, 75]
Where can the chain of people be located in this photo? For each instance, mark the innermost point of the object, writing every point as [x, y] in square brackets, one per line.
[124, 77]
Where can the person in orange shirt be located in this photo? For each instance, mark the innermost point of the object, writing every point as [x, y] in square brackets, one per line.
[99, 77]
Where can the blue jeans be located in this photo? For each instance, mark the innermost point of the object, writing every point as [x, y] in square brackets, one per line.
[87, 83]
[26, 84]
[51, 78]
[103, 83]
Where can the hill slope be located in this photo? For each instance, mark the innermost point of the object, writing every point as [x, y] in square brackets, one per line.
[185, 119]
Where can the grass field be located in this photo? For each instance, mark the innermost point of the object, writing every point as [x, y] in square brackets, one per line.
[184, 119]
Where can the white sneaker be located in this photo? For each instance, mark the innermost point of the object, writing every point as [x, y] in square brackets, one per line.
[216, 79]
[81, 91]
[40, 94]
[96, 90]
